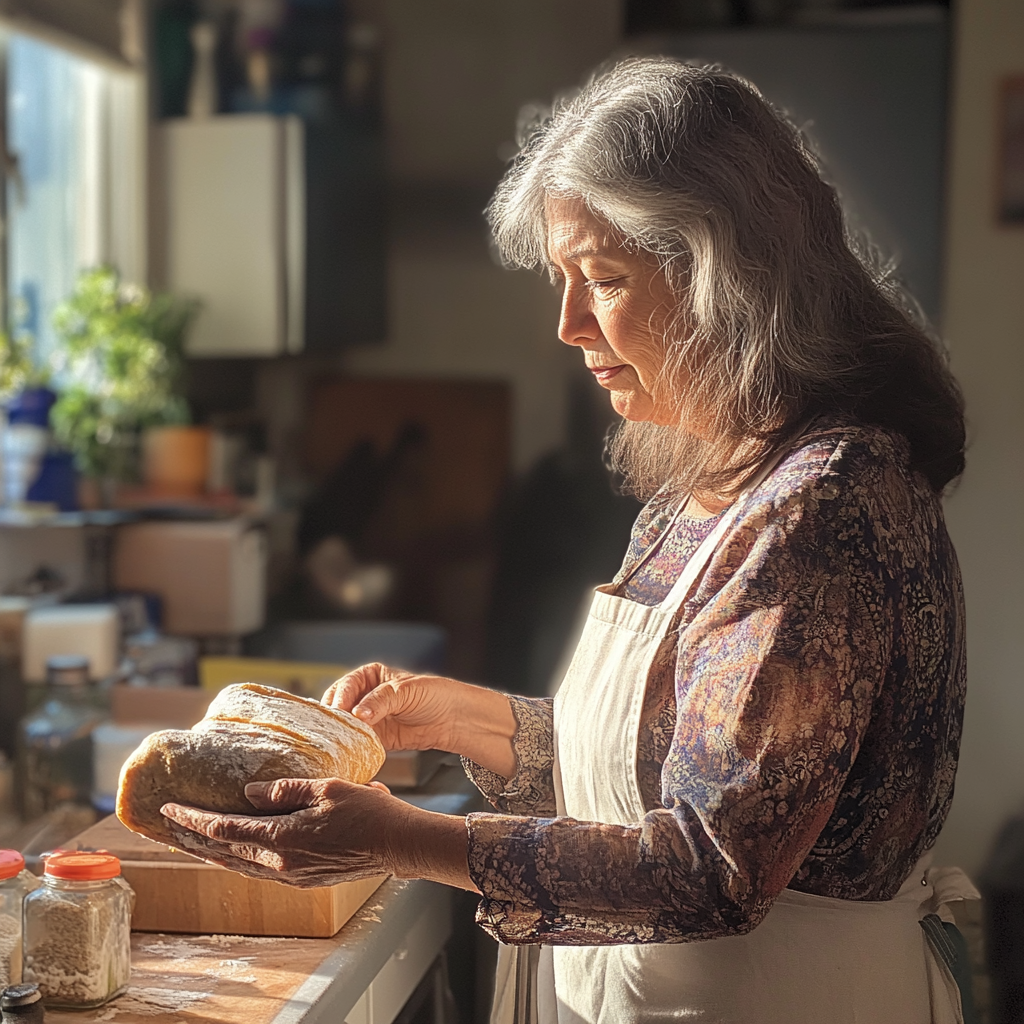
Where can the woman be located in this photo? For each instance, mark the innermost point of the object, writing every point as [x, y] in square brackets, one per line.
[726, 811]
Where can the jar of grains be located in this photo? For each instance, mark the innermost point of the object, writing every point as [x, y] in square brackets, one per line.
[78, 930]
[15, 884]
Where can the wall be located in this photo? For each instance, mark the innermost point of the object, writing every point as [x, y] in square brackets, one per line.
[457, 73]
[984, 325]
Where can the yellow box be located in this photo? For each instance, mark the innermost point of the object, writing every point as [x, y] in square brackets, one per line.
[308, 679]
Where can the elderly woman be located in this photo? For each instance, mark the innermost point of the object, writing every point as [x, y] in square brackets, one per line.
[726, 812]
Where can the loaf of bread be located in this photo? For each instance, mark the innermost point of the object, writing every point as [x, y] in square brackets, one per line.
[251, 733]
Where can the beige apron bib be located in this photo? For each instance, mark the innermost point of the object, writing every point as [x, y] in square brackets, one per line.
[813, 960]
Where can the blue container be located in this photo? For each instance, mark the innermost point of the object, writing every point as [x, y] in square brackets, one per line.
[31, 406]
[57, 482]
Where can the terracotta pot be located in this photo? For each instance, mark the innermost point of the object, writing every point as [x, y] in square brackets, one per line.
[176, 459]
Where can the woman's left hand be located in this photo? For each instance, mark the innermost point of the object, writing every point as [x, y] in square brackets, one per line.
[315, 832]
[312, 831]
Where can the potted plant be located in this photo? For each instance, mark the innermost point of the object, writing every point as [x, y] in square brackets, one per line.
[121, 358]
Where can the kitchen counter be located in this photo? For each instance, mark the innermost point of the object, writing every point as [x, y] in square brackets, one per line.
[363, 975]
[233, 979]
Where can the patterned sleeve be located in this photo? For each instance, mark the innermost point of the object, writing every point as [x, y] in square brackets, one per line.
[781, 654]
[531, 789]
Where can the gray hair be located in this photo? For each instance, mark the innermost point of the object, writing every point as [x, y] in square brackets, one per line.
[780, 313]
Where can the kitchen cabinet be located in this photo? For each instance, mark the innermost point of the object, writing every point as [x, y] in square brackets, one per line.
[399, 977]
[236, 230]
[277, 225]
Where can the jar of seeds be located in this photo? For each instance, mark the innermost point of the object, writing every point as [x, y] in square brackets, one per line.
[78, 930]
[15, 884]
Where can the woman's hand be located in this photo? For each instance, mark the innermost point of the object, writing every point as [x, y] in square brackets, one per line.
[408, 711]
[418, 712]
[315, 832]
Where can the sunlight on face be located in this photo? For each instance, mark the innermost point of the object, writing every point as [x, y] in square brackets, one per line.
[614, 307]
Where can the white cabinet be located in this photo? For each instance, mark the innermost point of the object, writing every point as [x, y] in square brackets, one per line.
[360, 1013]
[236, 221]
[398, 978]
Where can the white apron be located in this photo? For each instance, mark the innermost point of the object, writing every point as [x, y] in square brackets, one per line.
[812, 960]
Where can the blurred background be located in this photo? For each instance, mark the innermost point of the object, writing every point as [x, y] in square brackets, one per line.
[272, 408]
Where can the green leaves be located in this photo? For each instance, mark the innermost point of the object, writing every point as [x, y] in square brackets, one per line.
[18, 370]
[120, 363]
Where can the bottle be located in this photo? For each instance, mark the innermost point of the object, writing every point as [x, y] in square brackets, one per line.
[78, 930]
[55, 741]
[21, 1004]
[15, 884]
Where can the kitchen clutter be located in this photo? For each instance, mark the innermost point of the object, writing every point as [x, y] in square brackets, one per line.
[117, 623]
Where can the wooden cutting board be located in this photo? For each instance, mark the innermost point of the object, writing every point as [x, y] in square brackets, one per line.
[177, 893]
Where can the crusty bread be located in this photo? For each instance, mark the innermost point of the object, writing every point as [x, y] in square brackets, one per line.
[251, 733]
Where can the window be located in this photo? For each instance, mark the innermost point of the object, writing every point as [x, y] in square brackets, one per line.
[75, 176]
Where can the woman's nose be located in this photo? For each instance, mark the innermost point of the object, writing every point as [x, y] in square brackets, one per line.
[577, 324]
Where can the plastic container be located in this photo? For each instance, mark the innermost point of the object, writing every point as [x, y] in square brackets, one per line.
[112, 745]
[92, 631]
[78, 931]
[55, 741]
[15, 884]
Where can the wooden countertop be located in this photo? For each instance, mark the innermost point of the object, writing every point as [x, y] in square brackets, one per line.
[232, 979]
[227, 979]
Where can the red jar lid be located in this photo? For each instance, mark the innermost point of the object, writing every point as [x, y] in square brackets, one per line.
[82, 867]
[11, 863]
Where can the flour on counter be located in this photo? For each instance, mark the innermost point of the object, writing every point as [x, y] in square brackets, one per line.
[149, 1001]
[176, 949]
[203, 945]
[182, 949]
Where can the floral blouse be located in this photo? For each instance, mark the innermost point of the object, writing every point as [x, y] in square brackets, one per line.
[804, 732]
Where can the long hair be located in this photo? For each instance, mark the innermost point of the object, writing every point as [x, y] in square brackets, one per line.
[780, 314]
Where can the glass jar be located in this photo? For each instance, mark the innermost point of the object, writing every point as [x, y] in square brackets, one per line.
[78, 930]
[55, 740]
[15, 884]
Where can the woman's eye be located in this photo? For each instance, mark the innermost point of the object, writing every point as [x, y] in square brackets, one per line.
[605, 286]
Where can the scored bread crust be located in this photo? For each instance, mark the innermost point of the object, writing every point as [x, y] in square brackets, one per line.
[251, 733]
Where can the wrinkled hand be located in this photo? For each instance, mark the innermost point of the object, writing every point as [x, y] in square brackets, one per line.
[312, 832]
[407, 711]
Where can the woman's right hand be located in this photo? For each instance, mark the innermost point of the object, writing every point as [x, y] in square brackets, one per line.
[409, 711]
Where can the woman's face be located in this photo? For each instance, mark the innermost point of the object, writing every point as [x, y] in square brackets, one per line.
[614, 308]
